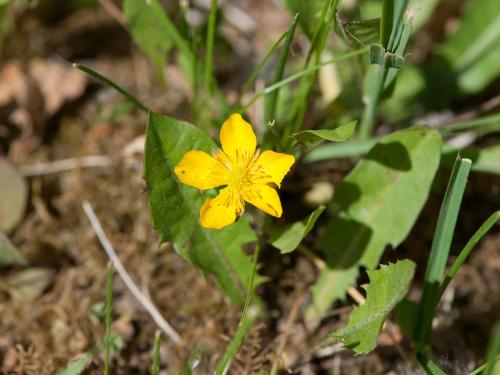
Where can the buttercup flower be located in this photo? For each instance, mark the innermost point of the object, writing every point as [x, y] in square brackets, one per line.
[248, 175]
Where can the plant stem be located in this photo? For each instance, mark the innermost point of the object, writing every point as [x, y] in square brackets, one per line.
[109, 300]
[110, 83]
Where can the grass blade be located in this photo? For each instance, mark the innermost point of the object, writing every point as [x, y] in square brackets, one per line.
[300, 74]
[109, 300]
[469, 246]
[251, 80]
[429, 366]
[471, 124]
[113, 85]
[272, 99]
[440, 249]
[494, 352]
[207, 73]
[155, 368]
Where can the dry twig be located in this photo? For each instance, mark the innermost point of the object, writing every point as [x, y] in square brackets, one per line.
[140, 296]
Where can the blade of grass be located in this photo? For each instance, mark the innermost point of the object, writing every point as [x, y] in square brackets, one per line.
[471, 124]
[207, 74]
[441, 243]
[493, 351]
[272, 99]
[247, 319]
[155, 368]
[428, 365]
[296, 76]
[109, 301]
[469, 246]
[251, 80]
[483, 367]
[113, 85]
[301, 102]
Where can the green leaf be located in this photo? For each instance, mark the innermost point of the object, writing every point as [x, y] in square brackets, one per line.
[308, 13]
[341, 133]
[406, 313]
[9, 255]
[13, 196]
[493, 357]
[473, 51]
[441, 243]
[77, 365]
[391, 23]
[287, 239]
[379, 201]
[175, 207]
[154, 31]
[388, 285]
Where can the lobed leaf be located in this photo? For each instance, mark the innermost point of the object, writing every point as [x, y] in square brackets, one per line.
[388, 285]
[379, 201]
[175, 207]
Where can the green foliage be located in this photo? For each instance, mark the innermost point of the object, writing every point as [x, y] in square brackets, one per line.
[472, 52]
[77, 365]
[308, 13]
[386, 59]
[175, 207]
[379, 202]
[341, 133]
[109, 302]
[288, 238]
[493, 366]
[154, 31]
[9, 255]
[469, 246]
[155, 368]
[272, 98]
[388, 285]
[441, 243]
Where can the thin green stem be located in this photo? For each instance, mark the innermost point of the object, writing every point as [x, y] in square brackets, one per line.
[374, 89]
[471, 124]
[253, 77]
[155, 368]
[247, 319]
[469, 246]
[429, 366]
[272, 99]
[298, 75]
[207, 73]
[110, 83]
[109, 300]
[302, 103]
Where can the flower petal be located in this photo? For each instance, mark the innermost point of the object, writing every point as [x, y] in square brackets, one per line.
[200, 170]
[222, 210]
[264, 198]
[238, 139]
[275, 164]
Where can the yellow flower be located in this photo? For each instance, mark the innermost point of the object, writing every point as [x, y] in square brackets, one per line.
[247, 175]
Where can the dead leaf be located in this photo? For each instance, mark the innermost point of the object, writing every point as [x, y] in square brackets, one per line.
[58, 82]
[29, 283]
[13, 196]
